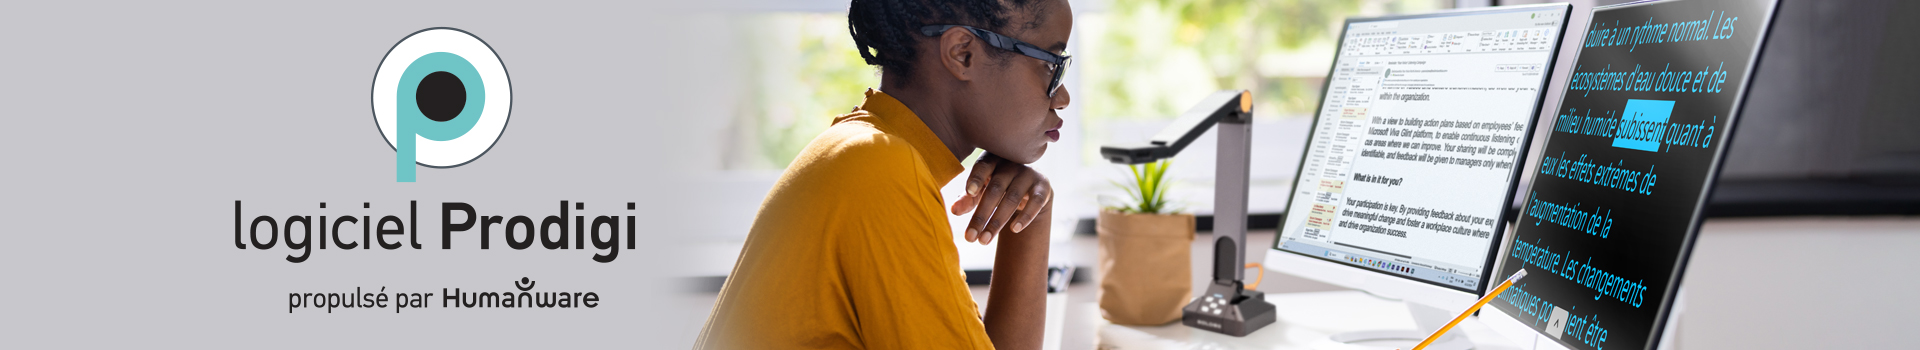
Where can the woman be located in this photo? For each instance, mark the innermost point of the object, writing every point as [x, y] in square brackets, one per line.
[851, 248]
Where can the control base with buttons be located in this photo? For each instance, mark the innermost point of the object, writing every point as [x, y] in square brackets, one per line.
[1228, 309]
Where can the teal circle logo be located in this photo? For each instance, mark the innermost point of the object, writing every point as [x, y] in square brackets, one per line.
[441, 99]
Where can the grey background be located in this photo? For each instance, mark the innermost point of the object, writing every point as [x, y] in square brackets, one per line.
[131, 127]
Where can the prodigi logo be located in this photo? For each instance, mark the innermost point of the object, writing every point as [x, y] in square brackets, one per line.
[441, 99]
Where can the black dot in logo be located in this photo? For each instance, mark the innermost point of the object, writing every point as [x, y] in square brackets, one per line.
[441, 96]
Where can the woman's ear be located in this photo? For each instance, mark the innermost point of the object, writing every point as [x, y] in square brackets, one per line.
[957, 53]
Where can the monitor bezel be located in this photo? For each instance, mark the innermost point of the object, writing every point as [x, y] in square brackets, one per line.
[1513, 176]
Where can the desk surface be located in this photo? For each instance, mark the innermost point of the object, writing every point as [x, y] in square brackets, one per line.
[1308, 310]
[1303, 319]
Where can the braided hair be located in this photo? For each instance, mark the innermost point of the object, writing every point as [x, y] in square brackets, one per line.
[886, 31]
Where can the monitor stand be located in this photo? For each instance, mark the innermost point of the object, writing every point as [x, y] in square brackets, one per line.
[1426, 318]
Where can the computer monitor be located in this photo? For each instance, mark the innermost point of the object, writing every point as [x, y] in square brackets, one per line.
[1413, 153]
[1633, 152]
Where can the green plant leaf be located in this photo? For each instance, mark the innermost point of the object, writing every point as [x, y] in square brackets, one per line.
[1149, 189]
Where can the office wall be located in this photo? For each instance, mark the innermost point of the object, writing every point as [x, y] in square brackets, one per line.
[1833, 94]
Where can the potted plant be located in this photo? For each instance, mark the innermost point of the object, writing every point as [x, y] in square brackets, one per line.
[1145, 255]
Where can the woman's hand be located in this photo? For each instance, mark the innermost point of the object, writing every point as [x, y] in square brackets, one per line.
[1002, 194]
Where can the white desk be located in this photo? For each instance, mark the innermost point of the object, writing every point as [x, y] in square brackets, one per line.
[1307, 311]
[1303, 319]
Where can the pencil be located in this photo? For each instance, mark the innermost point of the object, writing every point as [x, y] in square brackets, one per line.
[1476, 307]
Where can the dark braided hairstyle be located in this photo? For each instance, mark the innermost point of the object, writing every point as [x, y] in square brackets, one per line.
[886, 31]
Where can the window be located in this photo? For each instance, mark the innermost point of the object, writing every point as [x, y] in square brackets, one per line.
[801, 71]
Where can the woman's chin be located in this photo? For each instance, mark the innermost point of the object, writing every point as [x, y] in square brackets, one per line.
[1034, 156]
[1021, 153]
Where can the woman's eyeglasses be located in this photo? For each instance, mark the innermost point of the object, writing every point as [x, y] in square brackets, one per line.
[1056, 63]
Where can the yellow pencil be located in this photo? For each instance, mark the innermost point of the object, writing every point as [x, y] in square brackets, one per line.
[1476, 307]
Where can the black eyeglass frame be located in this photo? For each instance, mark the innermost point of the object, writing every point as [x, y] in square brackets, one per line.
[1055, 62]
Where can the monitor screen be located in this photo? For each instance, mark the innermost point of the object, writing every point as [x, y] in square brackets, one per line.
[1607, 225]
[1413, 151]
